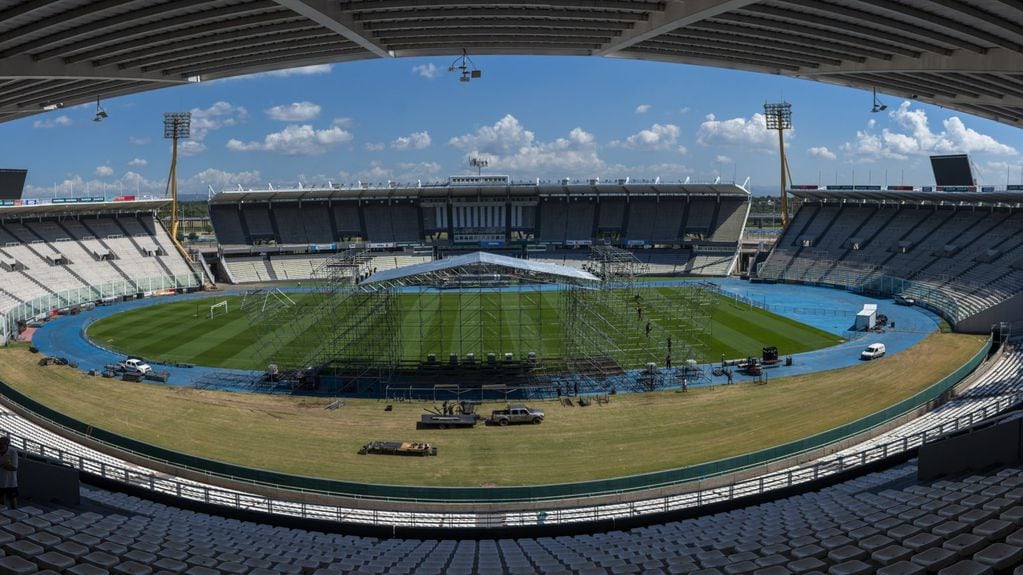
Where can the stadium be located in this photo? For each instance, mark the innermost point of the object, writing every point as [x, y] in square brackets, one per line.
[694, 385]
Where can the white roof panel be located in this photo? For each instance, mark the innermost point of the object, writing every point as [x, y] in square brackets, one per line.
[477, 258]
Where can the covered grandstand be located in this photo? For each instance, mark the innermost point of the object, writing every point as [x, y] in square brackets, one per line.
[676, 229]
[960, 253]
[57, 255]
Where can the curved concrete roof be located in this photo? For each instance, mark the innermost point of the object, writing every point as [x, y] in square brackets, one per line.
[962, 54]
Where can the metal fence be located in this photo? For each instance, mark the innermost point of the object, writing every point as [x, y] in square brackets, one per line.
[76, 296]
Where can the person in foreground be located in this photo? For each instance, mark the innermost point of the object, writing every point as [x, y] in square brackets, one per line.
[8, 473]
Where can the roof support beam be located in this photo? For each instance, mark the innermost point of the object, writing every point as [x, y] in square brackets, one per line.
[24, 67]
[550, 13]
[488, 22]
[100, 44]
[899, 26]
[165, 11]
[181, 64]
[828, 25]
[126, 50]
[997, 60]
[210, 47]
[676, 15]
[329, 15]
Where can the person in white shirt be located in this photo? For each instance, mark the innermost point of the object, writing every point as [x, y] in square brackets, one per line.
[8, 473]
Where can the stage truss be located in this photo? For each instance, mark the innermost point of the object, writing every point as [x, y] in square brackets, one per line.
[472, 323]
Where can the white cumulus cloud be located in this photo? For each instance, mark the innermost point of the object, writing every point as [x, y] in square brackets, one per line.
[103, 171]
[374, 146]
[413, 141]
[656, 137]
[508, 146]
[221, 179]
[821, 152]
[912, 135]
[295, 140]
[747, 132]
[429, 71]
[294, 112]
[205, 120]
[138, 163]
[643, 108]
[58, 122]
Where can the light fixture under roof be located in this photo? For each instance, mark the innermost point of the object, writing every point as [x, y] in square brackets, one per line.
[878, 105]
[465, 66]
[100, 112]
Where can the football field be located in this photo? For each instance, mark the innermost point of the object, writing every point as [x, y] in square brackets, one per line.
[183, 332]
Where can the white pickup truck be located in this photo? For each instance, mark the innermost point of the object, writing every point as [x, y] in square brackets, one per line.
[134, 365]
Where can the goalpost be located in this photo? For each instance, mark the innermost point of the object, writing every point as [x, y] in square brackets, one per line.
[219, 308]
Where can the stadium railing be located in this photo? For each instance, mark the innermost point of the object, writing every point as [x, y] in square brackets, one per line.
[72, 297]
[426, 494]
[925, 294]
[391, 520]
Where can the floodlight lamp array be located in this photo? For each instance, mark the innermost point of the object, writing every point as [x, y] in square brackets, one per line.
[778, 116]
[177, 125]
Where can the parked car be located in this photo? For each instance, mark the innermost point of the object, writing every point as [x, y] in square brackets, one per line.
[903, 300]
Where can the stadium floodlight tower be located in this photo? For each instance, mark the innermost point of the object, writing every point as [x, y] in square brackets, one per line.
[779, 117]
[176, 125]
[479, 164]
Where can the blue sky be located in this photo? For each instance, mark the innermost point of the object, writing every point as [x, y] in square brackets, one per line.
[545, 117]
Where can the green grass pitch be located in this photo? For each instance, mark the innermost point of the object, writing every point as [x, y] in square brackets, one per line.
[183, 332]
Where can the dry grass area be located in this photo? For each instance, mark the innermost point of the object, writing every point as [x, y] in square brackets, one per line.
[633, 434]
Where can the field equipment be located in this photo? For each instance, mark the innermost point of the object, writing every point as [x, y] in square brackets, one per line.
[770, 355]
[432, 420]
[398, 448]
[751, 366]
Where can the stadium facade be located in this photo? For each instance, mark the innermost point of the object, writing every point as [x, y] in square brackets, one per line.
[674, 228]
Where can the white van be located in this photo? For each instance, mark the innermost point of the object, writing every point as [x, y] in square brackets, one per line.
[873, 351]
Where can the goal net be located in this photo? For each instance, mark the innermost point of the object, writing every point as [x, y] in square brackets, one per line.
[219, 308]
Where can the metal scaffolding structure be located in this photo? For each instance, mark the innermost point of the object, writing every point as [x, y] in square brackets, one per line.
[625, 326]
[476, 324]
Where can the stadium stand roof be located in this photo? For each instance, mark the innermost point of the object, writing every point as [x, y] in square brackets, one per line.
[441, 191]
[1011, 198]
[43, 208]
[418, 273]
[962, 54]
